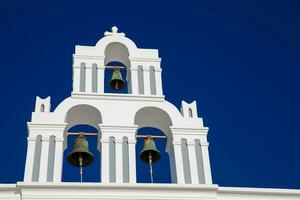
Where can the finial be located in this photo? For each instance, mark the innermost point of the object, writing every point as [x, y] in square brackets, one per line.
[114, 32]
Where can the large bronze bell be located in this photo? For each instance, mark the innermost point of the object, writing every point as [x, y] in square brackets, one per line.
[149, 154]
[80, 156]
[116, 82]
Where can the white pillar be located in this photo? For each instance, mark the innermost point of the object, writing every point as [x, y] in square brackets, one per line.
[132, 162]
[178, 162]
[193, 162]
[206, 162]
[88, 78]
[58, 159]
[101, 75]
[158, 82]
[134, 80]
[105, 160]
[29, 159]
[146, 73]
[76, 78]
[44, 159]
[119, 160]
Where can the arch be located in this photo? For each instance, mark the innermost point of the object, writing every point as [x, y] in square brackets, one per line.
[116, 52]
[153, 117]
[83, 114]
[103, 42]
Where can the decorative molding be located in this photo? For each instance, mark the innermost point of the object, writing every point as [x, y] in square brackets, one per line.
[117, 97]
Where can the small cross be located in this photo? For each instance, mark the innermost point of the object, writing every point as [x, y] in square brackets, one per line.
[114, 32]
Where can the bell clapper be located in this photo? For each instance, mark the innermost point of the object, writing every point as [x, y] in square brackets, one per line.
[150, 165]
[80, 159]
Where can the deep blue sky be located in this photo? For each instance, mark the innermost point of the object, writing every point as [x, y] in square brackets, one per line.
[238, 59]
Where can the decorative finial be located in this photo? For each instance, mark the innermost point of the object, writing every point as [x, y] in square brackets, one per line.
[114, 32]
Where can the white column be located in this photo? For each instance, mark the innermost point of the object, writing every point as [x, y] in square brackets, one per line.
[29, 159]
[101, 75]
[105, 160]
[44, 159]
[132, 162]
[119, 160]
[134, 80]
[206, 162]
[178, 162]
[58, 159]
[76, 78]
[88, 78]
[147, 88]
[158, 82]
[193, 162]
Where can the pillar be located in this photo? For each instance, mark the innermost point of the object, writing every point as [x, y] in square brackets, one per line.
[206, 162]
[29, 159]
[178, 162]
[132, 162]
[158, 82]
[134, 80]
[104, 160]
[58, 159]
[101, 75]
[76, 78]
[88, 78]
[119, 159]
[44, 159]
[193, 162]
[147, 88]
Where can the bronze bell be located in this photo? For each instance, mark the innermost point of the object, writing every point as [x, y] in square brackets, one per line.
[80, 156]
[116, 82]
[149, 154]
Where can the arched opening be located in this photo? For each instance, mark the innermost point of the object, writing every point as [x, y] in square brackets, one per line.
[117, 54]
[91, 173]
[154, 121]
[190, 113]
[82, 118]
[161, 168]
[42, 109]
[108, 76]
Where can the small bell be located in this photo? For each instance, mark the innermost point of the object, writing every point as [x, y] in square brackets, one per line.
[149, 149]
[116, 82]
[80, 156]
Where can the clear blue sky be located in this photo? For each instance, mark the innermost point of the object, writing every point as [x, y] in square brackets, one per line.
[238, 59]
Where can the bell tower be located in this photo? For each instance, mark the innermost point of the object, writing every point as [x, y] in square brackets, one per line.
[117, 118]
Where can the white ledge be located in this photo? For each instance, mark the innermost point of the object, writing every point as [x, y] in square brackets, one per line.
[115, 96]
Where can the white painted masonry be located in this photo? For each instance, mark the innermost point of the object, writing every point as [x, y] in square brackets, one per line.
[119, 116]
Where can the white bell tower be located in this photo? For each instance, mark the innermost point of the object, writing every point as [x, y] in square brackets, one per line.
[117, 117]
